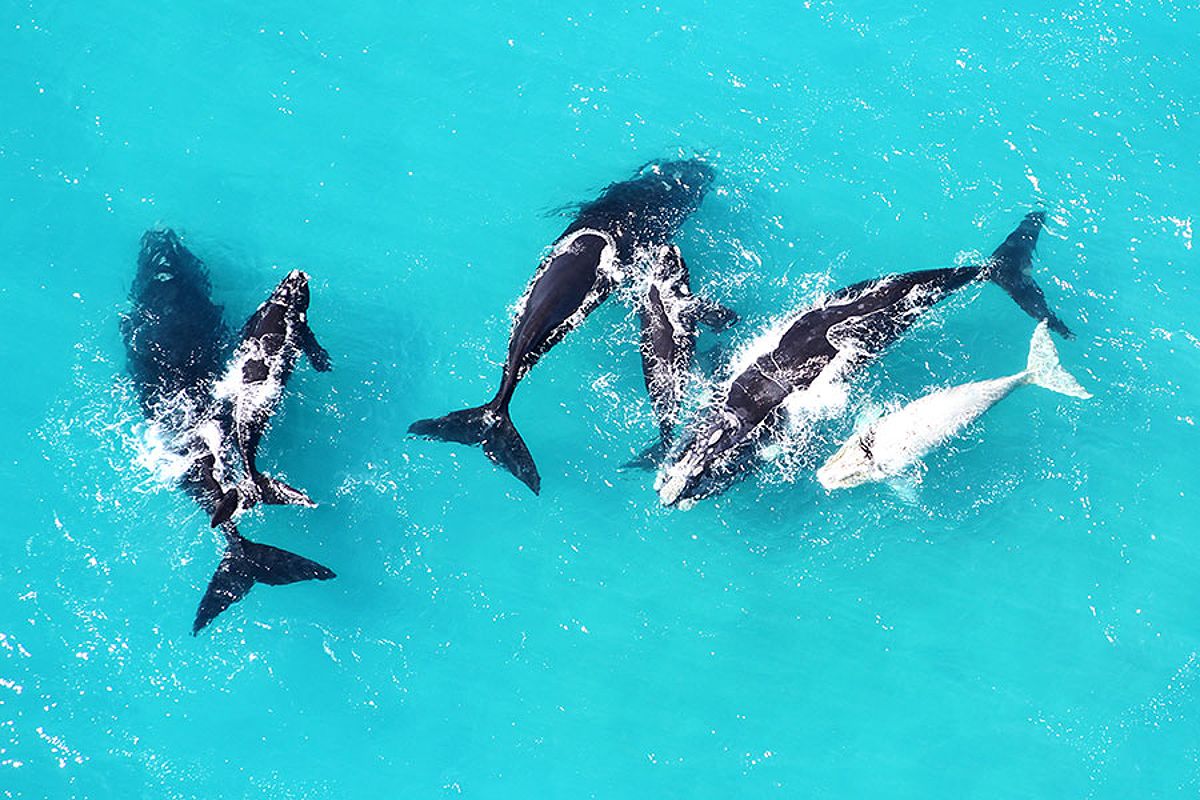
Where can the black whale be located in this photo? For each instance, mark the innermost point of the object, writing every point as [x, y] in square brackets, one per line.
[827, 343]
[606, 238]
[175, 342]
[252, 387]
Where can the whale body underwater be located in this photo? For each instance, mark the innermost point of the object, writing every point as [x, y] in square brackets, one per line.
[630, 222]
[176, 341]
[824, 345]
[670, 315]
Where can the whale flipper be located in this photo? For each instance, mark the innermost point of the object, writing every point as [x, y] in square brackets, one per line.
[317, 356]
[246, 563]
[225, 508]
[907, 486]
[1011, 268]
[490, 427]
[270, 491]
[277, 493]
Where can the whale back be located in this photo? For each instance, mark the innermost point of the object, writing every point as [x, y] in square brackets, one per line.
[175, 336]
[648, 209]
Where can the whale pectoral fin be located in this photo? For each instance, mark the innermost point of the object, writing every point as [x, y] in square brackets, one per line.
[650, 458]
[225, 508]
[246, 563]
[317, 356]
[277, 493]
[907, 486]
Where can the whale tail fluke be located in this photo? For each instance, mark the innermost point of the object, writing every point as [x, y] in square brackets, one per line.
[246, 563]
[1045, 370]
[491, 428]
[1011, 267]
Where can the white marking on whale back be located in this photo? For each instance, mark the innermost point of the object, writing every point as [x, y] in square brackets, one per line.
[772, 334]
[248, 401]
[828, 393]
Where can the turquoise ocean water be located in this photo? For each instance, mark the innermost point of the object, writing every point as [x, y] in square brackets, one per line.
[1029, 627]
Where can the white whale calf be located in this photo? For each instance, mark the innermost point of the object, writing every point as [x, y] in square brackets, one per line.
[897, 441]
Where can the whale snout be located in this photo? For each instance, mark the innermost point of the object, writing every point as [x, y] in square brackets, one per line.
[692, 174]
[296, 280]
[162, 240]
[293, 290]
[845, 469]
[681, 483]
[671, 489]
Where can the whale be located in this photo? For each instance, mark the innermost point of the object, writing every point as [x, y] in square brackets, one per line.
[670, 315]
[251, 389]
[896, 442]
[607, 239]
[822, 346]
[176, 343]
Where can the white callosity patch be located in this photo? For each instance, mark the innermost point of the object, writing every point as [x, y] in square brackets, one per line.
[827, 394]
[841, 336]
[671, 483]
[898, 440]
[250, 402]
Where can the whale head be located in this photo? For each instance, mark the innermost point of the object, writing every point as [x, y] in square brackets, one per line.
[691, 173]
[688, 179]
[679, 185]
[292, 291]
[852, 465]
[164, 263]
[705, 465]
